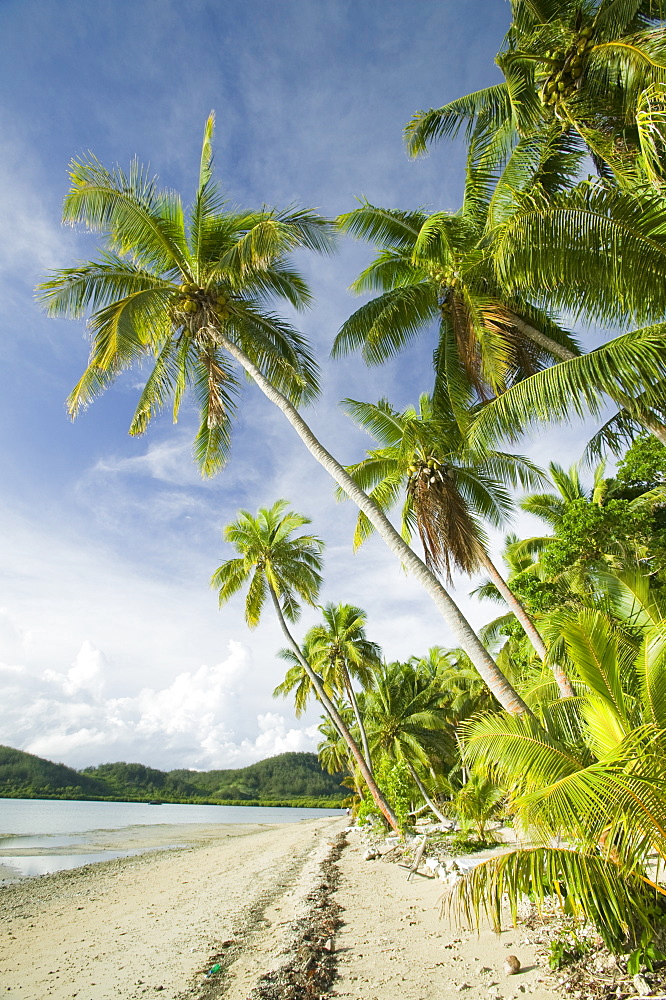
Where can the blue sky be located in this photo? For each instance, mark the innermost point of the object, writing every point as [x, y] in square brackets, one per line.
[111, 643]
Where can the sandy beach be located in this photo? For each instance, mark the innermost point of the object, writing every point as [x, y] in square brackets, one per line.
[157, 922]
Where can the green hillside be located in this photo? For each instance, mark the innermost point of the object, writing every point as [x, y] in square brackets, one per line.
[22, 775]
[288, 779]
[288, 774]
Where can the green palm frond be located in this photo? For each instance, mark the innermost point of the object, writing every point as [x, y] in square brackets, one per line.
[596, 250]
[584, 883]
[386, 227]
[621, 369]
[382, 327]
[493, 103]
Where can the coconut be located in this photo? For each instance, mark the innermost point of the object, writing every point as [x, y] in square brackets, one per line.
[511, 965]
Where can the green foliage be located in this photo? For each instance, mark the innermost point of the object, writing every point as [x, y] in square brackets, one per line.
[288, 779]
[396, 784]
[643, 466]
[22, 775]
[477, 802]
[285, 776]
[588, 532]
[644, 956]
[566, 947]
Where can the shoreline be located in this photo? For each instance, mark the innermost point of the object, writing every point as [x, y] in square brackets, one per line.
[261, 902]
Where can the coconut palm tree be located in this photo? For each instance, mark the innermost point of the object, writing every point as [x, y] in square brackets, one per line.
[277, 565]
[405, 723]
[448, 489]
[437, 269]
[595, 71]
[193, 293]
[339, 651]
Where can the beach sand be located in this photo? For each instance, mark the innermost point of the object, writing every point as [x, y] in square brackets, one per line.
[155, 923]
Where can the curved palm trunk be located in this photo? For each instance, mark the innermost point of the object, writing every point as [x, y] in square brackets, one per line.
[351, 694]
[426, 798]
[649, 421]
[336, 719]
[530, 629]
[465, 636]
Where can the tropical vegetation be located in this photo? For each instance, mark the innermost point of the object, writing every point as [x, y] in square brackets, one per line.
[554, 716]
[295, 779]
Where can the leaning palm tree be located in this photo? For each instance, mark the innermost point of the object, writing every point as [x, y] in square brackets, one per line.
[193, 292]
[448, 489]
[277, 565]
[341, 651]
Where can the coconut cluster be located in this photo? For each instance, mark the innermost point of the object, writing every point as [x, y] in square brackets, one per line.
[193, 305]
[430, 471]
[566, 68]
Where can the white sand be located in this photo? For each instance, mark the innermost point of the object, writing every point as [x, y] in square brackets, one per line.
[155, 923]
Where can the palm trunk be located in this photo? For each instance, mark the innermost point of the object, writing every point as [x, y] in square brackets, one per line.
[649, 421]
[426, 798]
[351, 694]
[530, 629]
[465, 636]
[336, 719]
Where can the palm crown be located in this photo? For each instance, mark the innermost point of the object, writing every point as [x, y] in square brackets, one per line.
[273, 561]
[168, 282]
[438, 268]
[594, 69]
[448, 488]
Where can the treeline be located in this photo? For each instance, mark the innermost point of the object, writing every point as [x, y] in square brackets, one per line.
[290, 779]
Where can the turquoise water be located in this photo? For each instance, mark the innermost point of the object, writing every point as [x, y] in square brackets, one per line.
[40, 836]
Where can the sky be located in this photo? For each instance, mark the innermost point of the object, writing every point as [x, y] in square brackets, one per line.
[112, 646]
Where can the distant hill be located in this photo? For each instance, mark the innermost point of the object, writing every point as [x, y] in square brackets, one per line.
[22, 775]
[278, 777]
[289, 779]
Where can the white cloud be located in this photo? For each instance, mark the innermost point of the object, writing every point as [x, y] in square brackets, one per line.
[86, 674]
[211, 717]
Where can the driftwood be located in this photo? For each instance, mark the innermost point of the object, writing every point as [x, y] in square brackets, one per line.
[417, 857]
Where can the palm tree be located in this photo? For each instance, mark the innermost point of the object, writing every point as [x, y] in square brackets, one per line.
[194, 295]
[448, 488]
[341, 651]
[594, 72]
[405, 723]
[338, 650]
[276, 565]
[590, 771]
[437, 268]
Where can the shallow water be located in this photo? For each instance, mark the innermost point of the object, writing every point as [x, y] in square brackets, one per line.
[41, 836]
[47, 816]
[13, 868]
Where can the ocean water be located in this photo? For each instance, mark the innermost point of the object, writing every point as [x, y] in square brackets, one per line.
[39, 836]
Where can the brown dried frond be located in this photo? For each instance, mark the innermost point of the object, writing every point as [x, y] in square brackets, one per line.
[469, 350]
[216, 376]
[448, 534]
